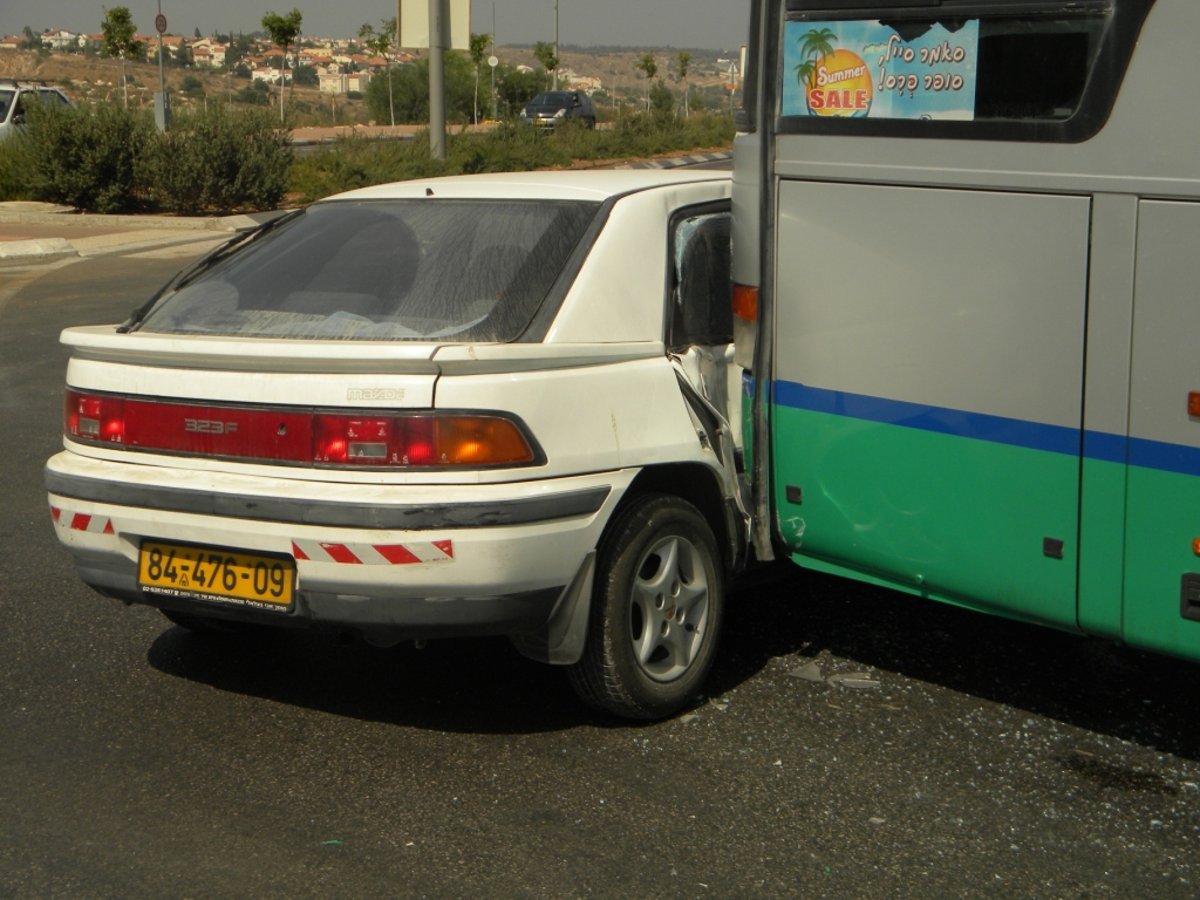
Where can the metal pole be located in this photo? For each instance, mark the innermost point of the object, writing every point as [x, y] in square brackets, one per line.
[161, 80]
[437, 79]
[493, 68]
[162, 104]
[556, 44]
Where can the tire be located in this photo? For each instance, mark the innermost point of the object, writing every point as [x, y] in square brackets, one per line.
[656, 613]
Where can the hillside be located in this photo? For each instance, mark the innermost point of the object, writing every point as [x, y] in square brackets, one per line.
[97, 79]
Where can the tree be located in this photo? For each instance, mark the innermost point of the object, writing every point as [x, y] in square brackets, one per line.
[650, 67]
[379, 43]
[411, 91]
[306, 75]
[479, 46]
[120, 40]
[546, 56]
[32, 41]
[181, 58]
[516, 88]
[283, 31]
[683, 59]
[661, 100]
[237, 50]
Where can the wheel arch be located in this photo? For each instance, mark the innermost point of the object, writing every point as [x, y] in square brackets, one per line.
[700, 486]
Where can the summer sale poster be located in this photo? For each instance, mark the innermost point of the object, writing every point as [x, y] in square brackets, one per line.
[868, 70]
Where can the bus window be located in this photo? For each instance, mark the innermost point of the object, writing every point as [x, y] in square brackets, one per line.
[1017, 71]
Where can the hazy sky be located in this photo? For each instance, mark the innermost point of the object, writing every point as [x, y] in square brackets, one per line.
[713, 24]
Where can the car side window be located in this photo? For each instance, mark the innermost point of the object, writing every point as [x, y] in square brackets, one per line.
[701, 312]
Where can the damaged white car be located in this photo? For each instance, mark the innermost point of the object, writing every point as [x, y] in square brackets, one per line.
[486, 405]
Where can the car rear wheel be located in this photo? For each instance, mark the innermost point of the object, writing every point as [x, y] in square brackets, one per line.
[656, 611]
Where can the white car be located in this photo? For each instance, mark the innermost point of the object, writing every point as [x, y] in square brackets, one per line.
[16, 96]
[485, 405]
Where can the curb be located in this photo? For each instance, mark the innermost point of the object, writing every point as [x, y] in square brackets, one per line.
[134, 232]
[104, 245]
[680, 161]
[23, 213]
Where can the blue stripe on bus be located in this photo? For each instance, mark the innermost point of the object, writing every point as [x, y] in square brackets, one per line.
[1097, 445]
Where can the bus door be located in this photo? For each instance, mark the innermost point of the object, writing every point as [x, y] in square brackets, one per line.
[1161, 602]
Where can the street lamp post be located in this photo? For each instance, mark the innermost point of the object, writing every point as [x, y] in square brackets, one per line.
[556, 60]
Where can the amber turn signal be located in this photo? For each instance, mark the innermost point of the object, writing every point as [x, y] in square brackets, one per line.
[745, 302]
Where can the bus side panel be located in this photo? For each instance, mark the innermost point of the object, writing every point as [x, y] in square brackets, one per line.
[1163, 518]
[927, 399]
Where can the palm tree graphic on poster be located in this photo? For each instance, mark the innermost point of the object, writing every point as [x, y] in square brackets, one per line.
[815, 45]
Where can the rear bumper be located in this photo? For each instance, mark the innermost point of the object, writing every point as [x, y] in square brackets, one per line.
[483, 560]
[382, 620]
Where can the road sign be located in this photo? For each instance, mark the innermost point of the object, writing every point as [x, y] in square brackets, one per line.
[414, 24]
[493, 61]
[160, 23]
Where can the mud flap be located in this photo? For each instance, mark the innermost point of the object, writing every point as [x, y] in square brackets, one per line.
[561, 642]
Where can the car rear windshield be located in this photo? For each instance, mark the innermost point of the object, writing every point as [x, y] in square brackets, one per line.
[397, 270]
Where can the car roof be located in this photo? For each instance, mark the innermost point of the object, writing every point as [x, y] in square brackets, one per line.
[595, 185]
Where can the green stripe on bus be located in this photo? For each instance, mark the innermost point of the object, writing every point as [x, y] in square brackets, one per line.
[951, 518]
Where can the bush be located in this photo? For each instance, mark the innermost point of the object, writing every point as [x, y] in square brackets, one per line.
[662, 101]
[354, 162]
[358, 162]
[217, 161]
[87, 159]
[253, 96]
[16, 169]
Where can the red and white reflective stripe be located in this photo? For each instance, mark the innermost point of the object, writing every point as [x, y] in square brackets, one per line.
[80, 522]
[375, 554]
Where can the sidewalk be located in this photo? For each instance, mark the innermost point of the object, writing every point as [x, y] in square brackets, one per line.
[31, 230]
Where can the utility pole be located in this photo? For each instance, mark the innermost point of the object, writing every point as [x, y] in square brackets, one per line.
[556, 59]
[437, 78]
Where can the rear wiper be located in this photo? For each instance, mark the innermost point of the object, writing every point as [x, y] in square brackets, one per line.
[202, 265]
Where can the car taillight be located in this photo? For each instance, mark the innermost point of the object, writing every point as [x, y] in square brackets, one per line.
[94, 417]
[419, 440]
[399, 440]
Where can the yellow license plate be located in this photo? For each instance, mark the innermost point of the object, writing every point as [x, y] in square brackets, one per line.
[213, 573]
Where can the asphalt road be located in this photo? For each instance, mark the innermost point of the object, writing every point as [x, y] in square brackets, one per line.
[854, 743]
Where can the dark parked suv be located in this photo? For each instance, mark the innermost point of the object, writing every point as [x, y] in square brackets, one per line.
[549, 108]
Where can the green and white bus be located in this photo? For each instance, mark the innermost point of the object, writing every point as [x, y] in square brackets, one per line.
[966, 255]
